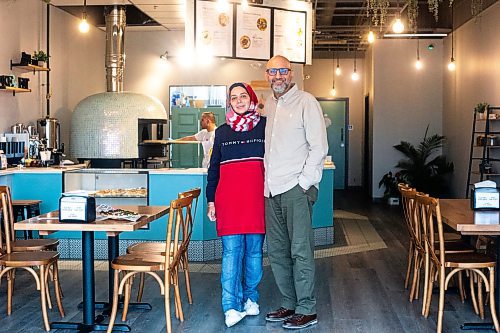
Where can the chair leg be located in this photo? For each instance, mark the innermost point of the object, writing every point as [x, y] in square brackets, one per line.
[185, 266]
[415, 278]
[43, 288]
[168, 320]
[47, 291]
[57, 288]
[141, 287]
[461, 287]
[408, 267]
[428, 298]
[126, 300]
[480, 297]
[426, 283]
[441, 301]
[178, 299]
[472, 276]
[492, 300]
[10, 288]
[114, 308]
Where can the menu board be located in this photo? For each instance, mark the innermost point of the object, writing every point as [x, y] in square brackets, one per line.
[214, 29]
[290, 35]
[253, 33]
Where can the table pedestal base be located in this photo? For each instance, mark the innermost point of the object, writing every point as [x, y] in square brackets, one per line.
[80, 327]
[477, 326]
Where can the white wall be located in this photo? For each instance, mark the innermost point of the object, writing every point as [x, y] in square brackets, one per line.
[320, 83]
[476, 79]
[405, 100]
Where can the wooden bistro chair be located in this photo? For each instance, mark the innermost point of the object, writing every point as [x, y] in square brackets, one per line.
[21, 245]
[10, 260]
[132, 264]
[439, 260]
[159, 248]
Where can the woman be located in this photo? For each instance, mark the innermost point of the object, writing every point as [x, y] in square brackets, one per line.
[235, 195]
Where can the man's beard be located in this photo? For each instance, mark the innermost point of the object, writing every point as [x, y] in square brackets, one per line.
[279, 89]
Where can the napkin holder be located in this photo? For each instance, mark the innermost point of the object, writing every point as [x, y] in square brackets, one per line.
[485, 198]
[77, 209]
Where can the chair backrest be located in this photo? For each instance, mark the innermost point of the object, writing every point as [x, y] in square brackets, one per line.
[189, 217]
[429, 215]
[175, 226]
[7, 225]
[409, 211]
[10, 214]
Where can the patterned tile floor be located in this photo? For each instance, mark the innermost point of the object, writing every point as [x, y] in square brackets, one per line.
[353, 234]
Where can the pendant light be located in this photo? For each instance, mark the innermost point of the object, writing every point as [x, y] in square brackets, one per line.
[451, 64]
[371, 37]
[333, 92]
[355, 75]
[418, 63]
[338, 71]
[398, 26]
[84, 25]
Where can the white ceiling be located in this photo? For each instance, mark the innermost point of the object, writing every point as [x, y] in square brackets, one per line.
[168, 13]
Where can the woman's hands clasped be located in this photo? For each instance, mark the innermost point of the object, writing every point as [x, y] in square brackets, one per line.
[211, 211]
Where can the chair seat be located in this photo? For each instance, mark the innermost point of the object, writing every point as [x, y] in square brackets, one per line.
[456, 247]
[149, 248]
[469, 260]
[22, 259]
[34, 245]
[132, 262]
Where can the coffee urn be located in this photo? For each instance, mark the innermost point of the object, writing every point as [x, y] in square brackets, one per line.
[49, 132]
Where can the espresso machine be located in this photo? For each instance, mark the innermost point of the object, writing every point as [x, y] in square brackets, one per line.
[49, 132]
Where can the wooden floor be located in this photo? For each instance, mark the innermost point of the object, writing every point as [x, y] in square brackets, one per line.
[356, 292]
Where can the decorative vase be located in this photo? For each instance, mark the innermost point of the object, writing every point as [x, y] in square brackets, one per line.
[41, 63]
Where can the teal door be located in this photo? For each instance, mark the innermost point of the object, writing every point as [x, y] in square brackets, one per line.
[186, 121]
[335, 112]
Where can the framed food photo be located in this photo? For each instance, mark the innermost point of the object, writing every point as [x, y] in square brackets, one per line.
[213, 29]
[253, 33]
[290, 35]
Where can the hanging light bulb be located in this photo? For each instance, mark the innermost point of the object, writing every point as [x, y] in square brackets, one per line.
[355, 75]
[452, 65]
[333, 92]
[398, 26]
[371, 37]
[244, 4]
[338, 71]
[84, 25]
[418, 63]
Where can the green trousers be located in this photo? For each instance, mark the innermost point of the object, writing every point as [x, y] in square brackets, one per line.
[290, 246]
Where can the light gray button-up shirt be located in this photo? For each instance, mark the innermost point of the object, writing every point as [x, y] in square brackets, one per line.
[296, 142]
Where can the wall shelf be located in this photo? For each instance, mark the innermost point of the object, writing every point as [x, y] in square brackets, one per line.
[14, 90]
[29, 67]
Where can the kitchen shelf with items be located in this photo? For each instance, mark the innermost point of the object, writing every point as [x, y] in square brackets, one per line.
[29, 67]
[32, 63]
[484, 160]
[14, 90]
[110, 186]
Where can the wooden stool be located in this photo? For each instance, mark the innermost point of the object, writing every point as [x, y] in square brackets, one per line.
[32, 208]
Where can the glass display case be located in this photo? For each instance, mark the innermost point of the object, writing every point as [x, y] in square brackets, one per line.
[110, 186]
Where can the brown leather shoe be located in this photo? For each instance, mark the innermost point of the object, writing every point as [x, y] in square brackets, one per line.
[298, 321]
[279, 315]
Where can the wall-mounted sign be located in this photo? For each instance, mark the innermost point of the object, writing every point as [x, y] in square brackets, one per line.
[214, 29]
[290, 35]
[253, 33]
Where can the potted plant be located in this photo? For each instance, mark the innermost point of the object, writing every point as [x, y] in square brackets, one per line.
[390, 183]
[480, 109]
[40, 58]
[422, 167]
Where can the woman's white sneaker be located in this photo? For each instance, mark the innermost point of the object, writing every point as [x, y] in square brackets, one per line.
[233, 317]
[251, 308]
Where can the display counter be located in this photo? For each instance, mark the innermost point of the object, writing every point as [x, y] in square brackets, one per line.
[160, 186]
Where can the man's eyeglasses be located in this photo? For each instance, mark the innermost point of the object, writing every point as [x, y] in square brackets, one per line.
[274, 71]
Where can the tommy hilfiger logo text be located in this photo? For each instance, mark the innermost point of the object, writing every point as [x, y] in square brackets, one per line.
[239, 142]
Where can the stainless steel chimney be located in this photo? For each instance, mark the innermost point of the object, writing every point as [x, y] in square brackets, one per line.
[115, 48]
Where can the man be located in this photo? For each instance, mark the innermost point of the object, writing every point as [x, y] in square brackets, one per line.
[296, 146]
[205, 136]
